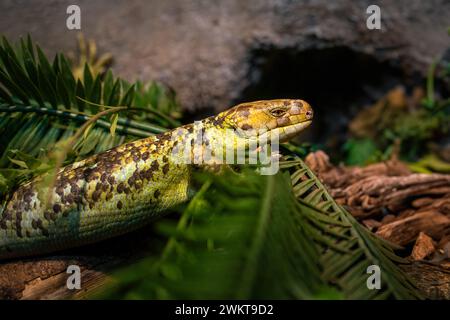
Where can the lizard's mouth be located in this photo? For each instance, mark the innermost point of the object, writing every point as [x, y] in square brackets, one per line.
[279, 135]
[288, 132]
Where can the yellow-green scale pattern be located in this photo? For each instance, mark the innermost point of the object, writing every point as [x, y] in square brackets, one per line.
[121, 189]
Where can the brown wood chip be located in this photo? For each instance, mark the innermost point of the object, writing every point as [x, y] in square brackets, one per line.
[423, 247]
[406, 230]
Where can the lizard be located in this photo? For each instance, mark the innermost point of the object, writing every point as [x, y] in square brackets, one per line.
[128, 186]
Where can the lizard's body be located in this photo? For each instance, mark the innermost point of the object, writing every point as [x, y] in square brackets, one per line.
[125, 187]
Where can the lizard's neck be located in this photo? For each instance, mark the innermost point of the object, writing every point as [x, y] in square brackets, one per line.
[201, 143]
[211, 142]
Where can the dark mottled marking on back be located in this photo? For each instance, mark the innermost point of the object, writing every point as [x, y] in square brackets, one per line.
[154, 166]
[138, 184]
[47, 215]
[69, 199]
[53, 216]
[96, 195]
[18, 221]
[41, 227]
[74, 189]
[148, 174]
[8, 215]
[78, 199]
[131, 181]
[87, 173]
[27, 196]
[111, 180]
[218, 121]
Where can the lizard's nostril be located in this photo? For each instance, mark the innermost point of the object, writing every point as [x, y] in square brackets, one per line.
[309, 114]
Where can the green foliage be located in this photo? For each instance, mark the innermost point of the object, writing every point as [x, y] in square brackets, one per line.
[249, 236]
[361, 151]
[242, 236]
[347, 248]
[412, 128]
[412, 131]
[429, 164]
[42, 105]
[300, 149]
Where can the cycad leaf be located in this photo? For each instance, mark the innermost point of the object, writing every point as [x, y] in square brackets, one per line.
[87, 80]
[253, 244]
[42, 104]
[96, 91]
[364, 248]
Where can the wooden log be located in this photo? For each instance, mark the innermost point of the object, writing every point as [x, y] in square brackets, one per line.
[46, 277]
[431, 279]
[405, 231]
[378, 189]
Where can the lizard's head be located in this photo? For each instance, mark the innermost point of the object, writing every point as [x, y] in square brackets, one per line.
[285, 117]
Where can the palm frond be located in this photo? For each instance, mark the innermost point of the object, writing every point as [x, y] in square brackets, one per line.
[240, 237]
[276, 237]
[42, 103]
[347, 248]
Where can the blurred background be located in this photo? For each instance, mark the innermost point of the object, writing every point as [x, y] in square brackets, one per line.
[215, 56]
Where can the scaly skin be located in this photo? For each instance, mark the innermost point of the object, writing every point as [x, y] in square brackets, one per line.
[124, 188]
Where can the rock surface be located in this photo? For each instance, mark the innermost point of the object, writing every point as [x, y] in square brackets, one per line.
[216, 55]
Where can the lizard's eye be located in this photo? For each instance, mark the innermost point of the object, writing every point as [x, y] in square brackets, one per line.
[278, 112]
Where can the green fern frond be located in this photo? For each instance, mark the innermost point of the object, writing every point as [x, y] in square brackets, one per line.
[240, 237]
[348, 248]
[42, 104]
[280, 237]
